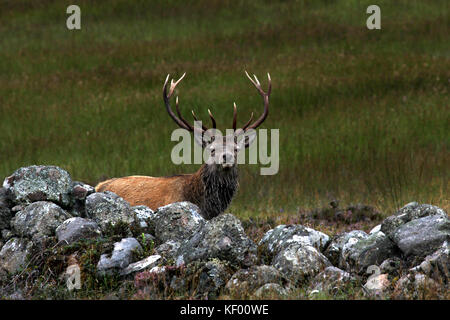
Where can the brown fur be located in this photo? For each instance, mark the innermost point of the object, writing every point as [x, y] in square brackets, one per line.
[211, 188]
[153, 192]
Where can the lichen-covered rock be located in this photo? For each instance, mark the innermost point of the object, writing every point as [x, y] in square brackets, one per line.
[107, 208]
[392, 266]
[422, 236]
[437, 265]
[410, 212]
[416, 285]
[377, 286]
[199, 280]
[75, 229]
[39, 220]
[177, 221]
[222, 237]
[271, 291]
[7, 234]
[39, 183]
[375, 229]
[14, 254]
[79, 191]
[366, 252]
[203, 280]
[143, 215]
[299, 263]
[283, 236]
[147, 263]
[334, 250]
[331, 280]
[120, 258]
[168, 249]
[246, 281]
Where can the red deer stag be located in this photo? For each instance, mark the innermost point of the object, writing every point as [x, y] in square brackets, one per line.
[213, 186]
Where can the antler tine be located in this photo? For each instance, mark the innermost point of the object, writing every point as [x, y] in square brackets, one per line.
[256, 79]
[212, 119]
[195, 118]
[269, 90]
[248, 122]
[234, 115]
[173, 85]
[181, 117]
[179, 121]
[265, 97]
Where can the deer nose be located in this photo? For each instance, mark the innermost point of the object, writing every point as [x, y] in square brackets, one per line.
[227, 158]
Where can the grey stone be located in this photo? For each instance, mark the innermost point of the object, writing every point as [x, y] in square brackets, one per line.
[334, 249]
[177, 222]
[7, 234]
[271, 291]
[39, 220]
[331, 280]
[283, 236]
[203, 279]
[107, 208]
[168, 249]
[14, 254]
[375, 229]
[143, 215]
[18, 208]
[414, 285]
[377, 286]
[222, 237]
[422, 236]
[246, 281]
[39, 183]
[75, 229]
[437, 265]
[300, 263]
[392, 266]
[147, 263]
[410, 212]
[120, 258]
[79, 191]
[366, 252]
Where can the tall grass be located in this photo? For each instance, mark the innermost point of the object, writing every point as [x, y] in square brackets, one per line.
[363, 114]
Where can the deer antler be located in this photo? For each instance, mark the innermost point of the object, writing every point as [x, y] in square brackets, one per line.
[185, 125]
[180, 121]
[265, 96]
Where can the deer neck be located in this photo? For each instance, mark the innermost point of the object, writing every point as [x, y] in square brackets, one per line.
[212, 189]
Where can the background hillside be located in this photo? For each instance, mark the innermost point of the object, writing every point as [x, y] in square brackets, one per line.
[363, 114]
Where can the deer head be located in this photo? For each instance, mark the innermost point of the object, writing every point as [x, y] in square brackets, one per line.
[223, 149]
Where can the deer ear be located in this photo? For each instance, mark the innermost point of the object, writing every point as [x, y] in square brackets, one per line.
[245, 138]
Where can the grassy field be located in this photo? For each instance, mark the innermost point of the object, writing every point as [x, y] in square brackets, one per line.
[364, 115]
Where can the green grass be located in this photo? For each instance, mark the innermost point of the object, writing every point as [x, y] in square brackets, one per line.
[363, 114]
